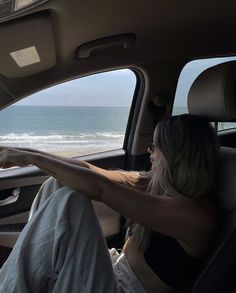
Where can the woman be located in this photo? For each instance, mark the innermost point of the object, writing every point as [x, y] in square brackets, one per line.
[171, 207]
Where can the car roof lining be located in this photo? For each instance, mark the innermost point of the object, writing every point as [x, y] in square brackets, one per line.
[160, 30]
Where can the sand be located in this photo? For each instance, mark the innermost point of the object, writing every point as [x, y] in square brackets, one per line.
[80, 152]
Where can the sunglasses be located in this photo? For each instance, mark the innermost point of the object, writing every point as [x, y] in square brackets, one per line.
[151, 147]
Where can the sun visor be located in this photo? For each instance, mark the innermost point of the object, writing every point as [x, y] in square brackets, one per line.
[27, 46]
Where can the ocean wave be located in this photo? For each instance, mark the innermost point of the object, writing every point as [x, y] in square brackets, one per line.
[100, 135]
[32, 136]
[56, 142]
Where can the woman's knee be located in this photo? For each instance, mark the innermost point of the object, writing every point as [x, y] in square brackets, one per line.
[67, 194]
[70, 206]
[45, 191]
[52, 184]
[61, 200]
[70, 201]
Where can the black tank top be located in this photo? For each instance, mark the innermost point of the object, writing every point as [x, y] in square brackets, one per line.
[170, 262]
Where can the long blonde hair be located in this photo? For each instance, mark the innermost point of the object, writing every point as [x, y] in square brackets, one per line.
[186, 162]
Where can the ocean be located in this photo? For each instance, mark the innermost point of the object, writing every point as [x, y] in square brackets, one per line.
[64, 129]
[69, 131]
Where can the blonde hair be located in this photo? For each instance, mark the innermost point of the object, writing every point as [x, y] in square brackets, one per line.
[186, 162]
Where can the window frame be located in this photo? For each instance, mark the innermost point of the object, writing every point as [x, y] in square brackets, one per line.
[138, 83]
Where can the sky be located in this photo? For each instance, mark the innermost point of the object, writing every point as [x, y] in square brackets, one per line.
[114, 88]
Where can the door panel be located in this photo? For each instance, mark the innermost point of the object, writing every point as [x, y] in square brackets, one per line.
[10, 227]
[228, 138]
[14, 216]
[15, 219]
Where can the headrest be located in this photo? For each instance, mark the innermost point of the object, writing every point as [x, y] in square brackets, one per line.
[213, 93]
[226, 181]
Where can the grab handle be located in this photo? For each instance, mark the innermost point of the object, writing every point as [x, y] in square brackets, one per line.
[124, 41]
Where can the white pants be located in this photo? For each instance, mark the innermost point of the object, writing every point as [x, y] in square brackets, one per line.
[62, 250]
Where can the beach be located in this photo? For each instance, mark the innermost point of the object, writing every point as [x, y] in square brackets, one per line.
[66, 131]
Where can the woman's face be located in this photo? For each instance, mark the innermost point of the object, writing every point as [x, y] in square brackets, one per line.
[152, 152]
[152, 148]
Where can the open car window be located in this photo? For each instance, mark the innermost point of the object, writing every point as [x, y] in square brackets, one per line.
[79, 117]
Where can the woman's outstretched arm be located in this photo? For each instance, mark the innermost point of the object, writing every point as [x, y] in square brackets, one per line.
[177, 217]
[86, 180]
[129, 178]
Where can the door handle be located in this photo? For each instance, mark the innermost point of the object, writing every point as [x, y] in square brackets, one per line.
[12, 198]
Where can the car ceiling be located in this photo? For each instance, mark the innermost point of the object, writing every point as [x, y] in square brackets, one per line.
[163, 30]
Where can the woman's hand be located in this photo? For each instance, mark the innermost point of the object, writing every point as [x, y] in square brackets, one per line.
[14, 157]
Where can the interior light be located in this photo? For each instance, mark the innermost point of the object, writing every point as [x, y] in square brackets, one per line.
[19, 4]
[9, 7]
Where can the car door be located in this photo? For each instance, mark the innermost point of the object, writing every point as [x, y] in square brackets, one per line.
[74, 132]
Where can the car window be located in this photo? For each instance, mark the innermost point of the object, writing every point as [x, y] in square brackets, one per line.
[189, 73]
[83, 116]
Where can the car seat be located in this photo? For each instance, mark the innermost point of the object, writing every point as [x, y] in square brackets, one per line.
[212, 95]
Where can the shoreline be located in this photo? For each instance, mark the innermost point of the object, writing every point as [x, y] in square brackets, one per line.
[79, 152]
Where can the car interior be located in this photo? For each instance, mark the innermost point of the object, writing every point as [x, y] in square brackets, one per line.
[48, 43]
